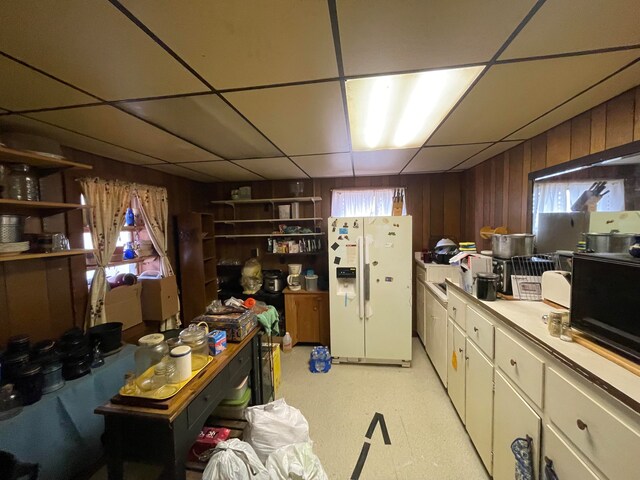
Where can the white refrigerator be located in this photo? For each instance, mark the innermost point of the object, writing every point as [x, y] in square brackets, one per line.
[370, 270]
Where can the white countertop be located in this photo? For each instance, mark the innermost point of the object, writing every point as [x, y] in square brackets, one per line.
[526, 317]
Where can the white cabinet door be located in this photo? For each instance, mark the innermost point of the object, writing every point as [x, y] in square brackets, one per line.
[438, 342]
[456, 367]
[479, 402]
[420, 311]
[512, 418]
[566, 463]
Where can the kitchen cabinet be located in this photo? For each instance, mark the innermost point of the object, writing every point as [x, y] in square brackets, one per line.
[307, 316]
[565, 461]
[456, 367]
[421, 312]
[436, 334]
[512, 418]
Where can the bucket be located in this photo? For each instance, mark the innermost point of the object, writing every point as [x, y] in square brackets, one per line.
[311, 282]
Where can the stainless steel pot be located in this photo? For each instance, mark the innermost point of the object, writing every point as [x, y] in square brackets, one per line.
[609, 242]
[512, 245]
[273, 282]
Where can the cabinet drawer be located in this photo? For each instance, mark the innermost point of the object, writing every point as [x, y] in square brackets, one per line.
[456, 308]
[521, 365]
[480, 330]
[566, 463]
[593, 428]
[240, 365]
[202, 406]
[421, 274]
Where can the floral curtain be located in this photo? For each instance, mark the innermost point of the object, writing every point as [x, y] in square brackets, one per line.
[109, 201]
[154, 208]
[364, 202]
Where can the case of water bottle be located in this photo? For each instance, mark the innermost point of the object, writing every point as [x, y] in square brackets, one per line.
[320, 360]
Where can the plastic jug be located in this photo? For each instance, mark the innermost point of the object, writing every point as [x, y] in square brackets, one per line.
[286, 343]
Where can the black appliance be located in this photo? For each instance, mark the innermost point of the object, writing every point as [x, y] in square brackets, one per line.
[605, 301]
[504, 269]
[529, 266]
[273, 281]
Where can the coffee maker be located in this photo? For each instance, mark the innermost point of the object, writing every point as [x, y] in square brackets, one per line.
[294, 278]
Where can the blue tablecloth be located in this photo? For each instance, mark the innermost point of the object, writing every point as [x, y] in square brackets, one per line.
[61, 432]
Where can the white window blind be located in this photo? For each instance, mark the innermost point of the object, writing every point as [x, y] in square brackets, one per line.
[361, 202]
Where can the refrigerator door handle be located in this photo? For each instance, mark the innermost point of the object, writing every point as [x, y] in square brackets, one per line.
[367, 276]
[360, 275]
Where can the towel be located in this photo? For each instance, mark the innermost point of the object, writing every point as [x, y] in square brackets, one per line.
[270, 320]
[522, 451]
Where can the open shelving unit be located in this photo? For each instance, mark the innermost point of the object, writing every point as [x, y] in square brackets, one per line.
[33, 256]
[272, 201]
[44, 163]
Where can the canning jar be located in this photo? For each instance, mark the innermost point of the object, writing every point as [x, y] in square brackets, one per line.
[195, 336]
[23, 183]
[151, 350]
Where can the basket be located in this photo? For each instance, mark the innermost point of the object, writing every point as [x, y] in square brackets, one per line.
[236, 325]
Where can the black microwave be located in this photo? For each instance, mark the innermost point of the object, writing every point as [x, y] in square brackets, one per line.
[605, 300]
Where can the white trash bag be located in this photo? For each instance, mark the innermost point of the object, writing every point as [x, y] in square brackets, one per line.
[274, 425]
[295, 462]
[234, 460]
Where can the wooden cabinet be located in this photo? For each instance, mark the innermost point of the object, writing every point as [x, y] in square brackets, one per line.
[512, 418]
[456, 367]
[436, 334]
[307, 316]
[421, 313]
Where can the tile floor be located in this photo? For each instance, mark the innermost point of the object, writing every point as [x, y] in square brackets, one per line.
[428, 440]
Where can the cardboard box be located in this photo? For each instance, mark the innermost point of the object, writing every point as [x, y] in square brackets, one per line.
[159, 298]
[123, 304]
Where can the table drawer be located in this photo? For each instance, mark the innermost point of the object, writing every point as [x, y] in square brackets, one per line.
[480, 331]
[202, 406]
[521, 365]
[602, 437]
[240, 365]
[421, 274]
[456, 308]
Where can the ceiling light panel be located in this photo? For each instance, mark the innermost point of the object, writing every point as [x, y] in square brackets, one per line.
[225, 171]
[93, 46]
[492, 151]
[208, 121]
[382, 162]
[300, 119]
[180, 171]
[562, 27]
[247, 43]
[401, 111]
[117, 127]
[382, 36]
[329, 165]
[22, 124]
[22, 88]
[440, 159]
[509, 96]
[272, 168]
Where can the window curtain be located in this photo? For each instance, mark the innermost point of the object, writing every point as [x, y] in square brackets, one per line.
[154, 208]
[109, 201]
[374, 202]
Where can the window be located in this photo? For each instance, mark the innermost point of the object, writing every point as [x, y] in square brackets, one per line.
[374, 202]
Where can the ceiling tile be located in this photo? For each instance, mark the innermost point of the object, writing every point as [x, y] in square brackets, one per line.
[382, 162]
[93, 46]
[81, 142]
[181, 171]
[329, 165]
[272, 168]
[117, 127]
[299, 119]
[225, 171]
[561, 27]
[509, 96]
[621, 82]
[208, 121]
[248, 43]
[379, 36]
[22, 88]
[492, 151]
[439, 159]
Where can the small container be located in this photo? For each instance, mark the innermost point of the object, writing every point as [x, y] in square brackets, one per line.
[311, 282]
[151, 350]
[195, 336]
[181, 356]
[245, 193]
[11, 364]
[53, 379]
[19, 344]
[74, 368]
[10, 402]
[11, 228]
[554, 323]
[23, 183]
[130, 387]
[286, 343]
[42, 349]
[29, 382]
[173, 343]
[487, 286]
[566, 333]
[237, 392]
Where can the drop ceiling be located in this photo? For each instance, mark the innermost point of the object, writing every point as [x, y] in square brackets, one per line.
[240, 91]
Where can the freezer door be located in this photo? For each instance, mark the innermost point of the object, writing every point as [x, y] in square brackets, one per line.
[388, 296]
[346, 305]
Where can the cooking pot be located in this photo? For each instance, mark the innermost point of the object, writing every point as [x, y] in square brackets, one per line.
[273, 281]
[609, 242]
[107, 335]
[512, 245]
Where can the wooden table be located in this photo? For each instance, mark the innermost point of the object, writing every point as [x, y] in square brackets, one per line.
[165, 435]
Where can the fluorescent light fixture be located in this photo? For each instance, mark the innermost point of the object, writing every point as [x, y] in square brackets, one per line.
[401, 111]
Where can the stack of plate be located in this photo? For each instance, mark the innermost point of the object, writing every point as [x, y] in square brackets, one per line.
[13, 248]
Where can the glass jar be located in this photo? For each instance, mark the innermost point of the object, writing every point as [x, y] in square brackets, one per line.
[163, 373]
[151, 350]
[195, 336]
[10, 402]
[554, 323]
[566, 333]
[23, 183]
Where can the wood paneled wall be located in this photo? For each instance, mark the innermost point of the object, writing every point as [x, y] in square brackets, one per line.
[496, 192]
[46, 297]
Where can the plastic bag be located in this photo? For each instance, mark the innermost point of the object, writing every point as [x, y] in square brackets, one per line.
[234, 460]
[274, 425]
[295, 462]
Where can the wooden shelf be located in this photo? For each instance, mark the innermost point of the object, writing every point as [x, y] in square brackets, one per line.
[124, 262]
[249, 235]
[31, 256]
[39, 209]
[293, 254]
[267, 200]
[270, 220]
[38, 160]
[209, 281]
